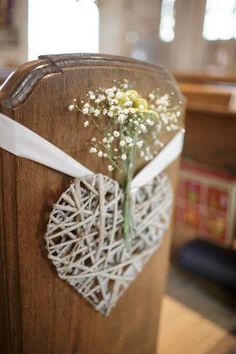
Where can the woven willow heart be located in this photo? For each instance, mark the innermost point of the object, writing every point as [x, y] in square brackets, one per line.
[85, 242]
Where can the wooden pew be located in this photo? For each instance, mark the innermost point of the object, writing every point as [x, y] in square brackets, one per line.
[41, 313]
[210, 124]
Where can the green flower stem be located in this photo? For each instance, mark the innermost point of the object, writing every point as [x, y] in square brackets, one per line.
[128, 219]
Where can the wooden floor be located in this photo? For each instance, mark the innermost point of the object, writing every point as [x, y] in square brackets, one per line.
[201, 326]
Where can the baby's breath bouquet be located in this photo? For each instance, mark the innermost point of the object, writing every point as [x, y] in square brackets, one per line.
[131, 127]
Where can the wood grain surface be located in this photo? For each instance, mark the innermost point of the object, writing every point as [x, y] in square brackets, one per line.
[39, 312]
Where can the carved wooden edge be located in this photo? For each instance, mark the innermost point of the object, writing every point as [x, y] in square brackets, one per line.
[21, 83]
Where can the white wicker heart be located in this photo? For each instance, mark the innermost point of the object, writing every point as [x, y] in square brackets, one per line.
[84, 236]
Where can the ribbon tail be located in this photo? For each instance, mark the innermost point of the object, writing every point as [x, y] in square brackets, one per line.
[166, 156]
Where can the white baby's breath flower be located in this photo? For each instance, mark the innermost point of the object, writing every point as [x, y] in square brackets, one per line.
[71, 107]
[143, 128]
[128, 104]
[109, 93]
[119, 95]
[151, 123]
[121, 118]
[139, 143]
[102, 97]
[85, 110]
[116, 134]
[178, 114]
[142, 154]
[110, 168]
[128, 139]
[132, 110]
[151, 96]
[93, 150]
[91, 95]
[113, 101]
[96, 112]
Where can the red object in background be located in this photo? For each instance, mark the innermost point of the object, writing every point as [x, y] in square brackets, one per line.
[206, 203]
[218, 199]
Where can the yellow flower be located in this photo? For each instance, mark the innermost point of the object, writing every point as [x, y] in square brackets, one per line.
[121, 98]
[132, 95]
[140, 103]
[129, 95]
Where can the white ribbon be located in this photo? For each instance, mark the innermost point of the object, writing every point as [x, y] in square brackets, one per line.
[23, 142]
[166, 156]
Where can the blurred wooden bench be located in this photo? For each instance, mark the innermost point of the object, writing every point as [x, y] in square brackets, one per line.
[211, 119]
[210, 123]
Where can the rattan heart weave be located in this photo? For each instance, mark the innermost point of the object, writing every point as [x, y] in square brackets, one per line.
[84, 235]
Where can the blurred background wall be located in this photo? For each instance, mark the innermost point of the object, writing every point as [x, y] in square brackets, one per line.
[13, 32]
[184, 35]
